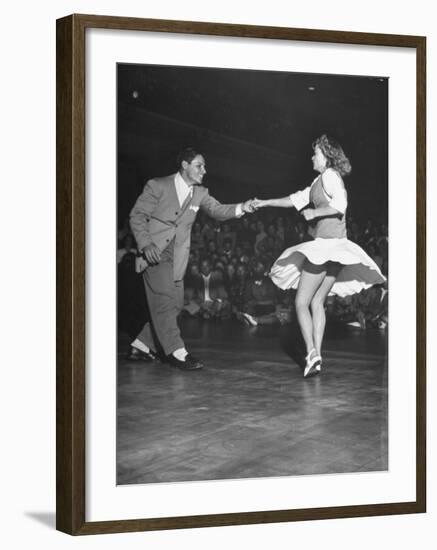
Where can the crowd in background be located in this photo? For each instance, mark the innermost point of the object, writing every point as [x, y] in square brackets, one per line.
[227, 273]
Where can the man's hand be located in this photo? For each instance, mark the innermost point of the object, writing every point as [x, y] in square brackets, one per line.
[152, 254]
[247, 206]
[309, 214]
[257, 203]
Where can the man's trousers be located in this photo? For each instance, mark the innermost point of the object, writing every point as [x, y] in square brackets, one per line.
[165, 298]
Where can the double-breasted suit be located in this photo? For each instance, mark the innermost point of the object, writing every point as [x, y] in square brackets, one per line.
[158, 217]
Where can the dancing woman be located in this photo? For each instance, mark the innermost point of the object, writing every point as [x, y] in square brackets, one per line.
[330, 263]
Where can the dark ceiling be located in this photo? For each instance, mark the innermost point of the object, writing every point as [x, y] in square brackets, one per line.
[282, 112]
[273, 109]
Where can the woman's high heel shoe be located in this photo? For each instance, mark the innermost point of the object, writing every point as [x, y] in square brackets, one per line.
[313, 364]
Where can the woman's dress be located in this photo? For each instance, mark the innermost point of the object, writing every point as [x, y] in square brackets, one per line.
[330, 242]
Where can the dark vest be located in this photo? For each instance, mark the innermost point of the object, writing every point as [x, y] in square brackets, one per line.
[329, 227]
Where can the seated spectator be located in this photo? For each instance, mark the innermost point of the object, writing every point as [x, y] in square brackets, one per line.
[270, 249]
[213, 258]
[261, 236]
[383, 249]
[245, 235]
[128, 247]
[382, 317]
[344, 310]
[235, 261]
[238, 251]
[197, 240]
[274, 243]
[237, 287]
[373, 251]
[191, 279]
[368, 234]
[353, 231]
[229, 277]
[217, 228]
[369, 308]
[227, 249]
[260, 300]
[194, 257]
[330, 305]
[226, 234]
[123, 230]
[382, 240]
[207, 233]
[211, 249]
[253, 226]
[296, 232]
[245, 259]
[191, 284]
[280, 229]
[372, 306]
[132, 310]
[285, 309]
[219, 268]
[210, 294]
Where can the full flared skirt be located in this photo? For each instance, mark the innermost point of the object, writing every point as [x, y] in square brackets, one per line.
[358, 271]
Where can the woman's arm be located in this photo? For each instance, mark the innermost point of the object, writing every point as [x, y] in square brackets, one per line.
[284, 202]
[297, 200]
[311, 213]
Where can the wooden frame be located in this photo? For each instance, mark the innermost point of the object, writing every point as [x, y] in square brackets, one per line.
[71, 414]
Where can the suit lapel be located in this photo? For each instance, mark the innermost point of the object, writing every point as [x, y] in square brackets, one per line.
[187, 200]
[185, 204]
[173, 187]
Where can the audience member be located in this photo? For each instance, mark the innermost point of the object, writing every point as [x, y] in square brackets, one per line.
[260, 303]
[226, 235]
[210, 294]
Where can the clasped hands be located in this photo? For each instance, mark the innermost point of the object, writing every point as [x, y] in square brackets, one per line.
[252, 205]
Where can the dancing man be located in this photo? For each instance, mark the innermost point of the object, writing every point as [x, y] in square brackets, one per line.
[161, 222]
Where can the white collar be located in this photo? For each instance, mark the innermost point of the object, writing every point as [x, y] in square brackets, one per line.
[181, 183]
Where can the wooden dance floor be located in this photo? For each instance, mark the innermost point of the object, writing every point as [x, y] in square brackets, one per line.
[249, 413]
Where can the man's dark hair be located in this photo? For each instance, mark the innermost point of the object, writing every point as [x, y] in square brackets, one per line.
[187, 154]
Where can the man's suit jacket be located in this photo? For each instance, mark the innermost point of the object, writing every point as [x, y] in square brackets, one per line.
[158, 218]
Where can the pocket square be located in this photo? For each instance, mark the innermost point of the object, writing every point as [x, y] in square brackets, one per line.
[195, 208]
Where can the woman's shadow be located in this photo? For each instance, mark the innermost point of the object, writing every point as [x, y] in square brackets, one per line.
[293, 344]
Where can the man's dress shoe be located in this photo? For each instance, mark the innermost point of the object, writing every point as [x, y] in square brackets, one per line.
[136, 354]
[190, 363]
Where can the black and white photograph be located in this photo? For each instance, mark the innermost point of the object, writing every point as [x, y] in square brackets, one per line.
[218, 290]
[252, 274]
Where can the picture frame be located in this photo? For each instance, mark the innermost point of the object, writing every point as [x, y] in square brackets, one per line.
[71, 203]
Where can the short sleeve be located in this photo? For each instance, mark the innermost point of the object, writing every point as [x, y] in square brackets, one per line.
[301, 198]
[334, 188]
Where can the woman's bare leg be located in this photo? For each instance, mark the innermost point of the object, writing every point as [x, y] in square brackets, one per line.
[311, 278]
[318, 304]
